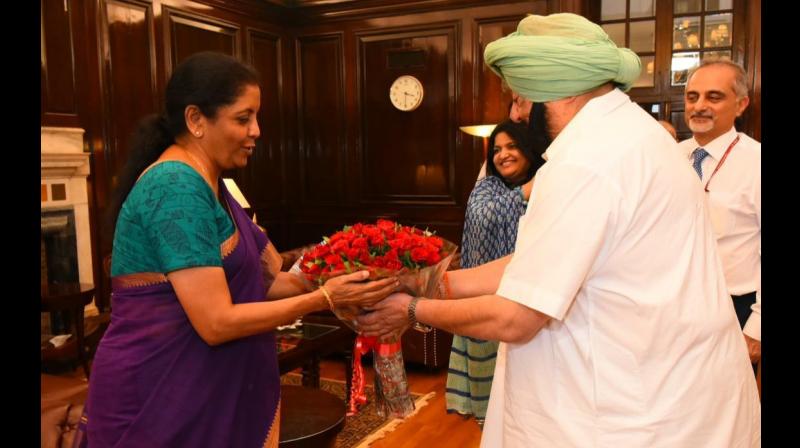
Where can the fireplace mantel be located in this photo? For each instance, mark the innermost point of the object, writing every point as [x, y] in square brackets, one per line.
[65, 168]
[65, 165]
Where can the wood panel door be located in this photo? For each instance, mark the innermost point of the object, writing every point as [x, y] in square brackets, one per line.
[407, 156]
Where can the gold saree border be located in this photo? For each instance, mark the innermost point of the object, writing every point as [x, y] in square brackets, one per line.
[271, 262]
[273, 436]
[228, 246]
[154, 278]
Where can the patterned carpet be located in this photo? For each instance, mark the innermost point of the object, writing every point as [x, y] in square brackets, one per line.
[366, 426]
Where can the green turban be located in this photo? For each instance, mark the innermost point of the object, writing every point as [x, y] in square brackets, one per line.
[558, 56]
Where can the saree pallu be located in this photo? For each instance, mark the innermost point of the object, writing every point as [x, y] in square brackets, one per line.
[156, 383]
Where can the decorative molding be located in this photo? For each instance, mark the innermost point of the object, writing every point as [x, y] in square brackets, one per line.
[316, 11]
[172, 17]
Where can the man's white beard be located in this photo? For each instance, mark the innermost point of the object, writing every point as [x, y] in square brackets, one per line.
[701, 128]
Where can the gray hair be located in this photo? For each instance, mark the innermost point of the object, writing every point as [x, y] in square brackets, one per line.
[740, 78]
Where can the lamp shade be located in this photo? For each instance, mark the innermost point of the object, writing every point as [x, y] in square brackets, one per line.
[236, 192]
[479, 130]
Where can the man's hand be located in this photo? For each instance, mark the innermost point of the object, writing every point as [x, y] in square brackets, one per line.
[753, 348]
[389, 316]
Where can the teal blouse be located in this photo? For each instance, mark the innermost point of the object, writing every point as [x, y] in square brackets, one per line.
[170, 220]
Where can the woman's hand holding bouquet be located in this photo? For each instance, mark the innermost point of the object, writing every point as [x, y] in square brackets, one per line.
[348, 291]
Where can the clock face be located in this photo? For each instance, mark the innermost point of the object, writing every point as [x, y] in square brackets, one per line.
[406, 93]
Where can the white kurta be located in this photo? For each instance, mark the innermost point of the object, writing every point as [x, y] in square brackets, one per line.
[644, 349]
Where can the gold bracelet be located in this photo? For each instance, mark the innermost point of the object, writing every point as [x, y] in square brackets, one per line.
[327, 297]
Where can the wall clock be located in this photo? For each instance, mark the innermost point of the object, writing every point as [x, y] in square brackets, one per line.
[406, 93]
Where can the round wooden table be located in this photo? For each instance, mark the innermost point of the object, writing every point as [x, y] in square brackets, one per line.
[70, 298]
[310, 417]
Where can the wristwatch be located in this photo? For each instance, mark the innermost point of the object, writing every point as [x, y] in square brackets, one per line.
[412, 317]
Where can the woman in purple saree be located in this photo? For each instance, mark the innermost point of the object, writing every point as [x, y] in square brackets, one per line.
[189, 358]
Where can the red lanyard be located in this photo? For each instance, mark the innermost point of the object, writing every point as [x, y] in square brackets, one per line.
[721, 161]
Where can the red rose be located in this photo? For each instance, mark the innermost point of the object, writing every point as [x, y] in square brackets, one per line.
[385, 224]
[370, 231]
[376, 240]
[395, 243]
[333, 259]
[419, 254]
[352, 254]
[391, 255]
[340, 246]
[321, 250]
[394, 264]
[365, 258]
[360, 243]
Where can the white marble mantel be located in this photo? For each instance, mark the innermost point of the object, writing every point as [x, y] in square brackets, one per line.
[64, 163]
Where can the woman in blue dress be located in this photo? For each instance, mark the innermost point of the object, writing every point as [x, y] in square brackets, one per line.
[490, 229]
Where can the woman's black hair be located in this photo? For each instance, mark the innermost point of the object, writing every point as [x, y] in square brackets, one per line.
[532, 141]
[208, 80]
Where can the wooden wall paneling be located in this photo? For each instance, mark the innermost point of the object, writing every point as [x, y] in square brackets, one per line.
[58, 80]
[327, 11]
[408, 156]
[494, 100]
[129, 78]
[752, 116]
[188, 33]
[321, 118]
[265, 178]
[126, 81]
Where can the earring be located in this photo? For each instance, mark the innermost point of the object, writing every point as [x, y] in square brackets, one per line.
[198, 133]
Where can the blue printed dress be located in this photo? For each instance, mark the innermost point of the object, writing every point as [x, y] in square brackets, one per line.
[490, 230]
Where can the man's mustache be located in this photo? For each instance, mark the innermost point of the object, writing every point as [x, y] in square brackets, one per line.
[701, 115]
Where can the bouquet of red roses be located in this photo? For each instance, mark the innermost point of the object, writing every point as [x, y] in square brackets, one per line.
[418, 258]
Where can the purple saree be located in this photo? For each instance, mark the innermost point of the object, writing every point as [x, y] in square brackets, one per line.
[156, 383]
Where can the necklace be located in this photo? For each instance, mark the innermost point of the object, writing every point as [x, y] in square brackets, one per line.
[199, 165]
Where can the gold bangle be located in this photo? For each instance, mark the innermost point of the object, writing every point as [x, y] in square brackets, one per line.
[327, 297]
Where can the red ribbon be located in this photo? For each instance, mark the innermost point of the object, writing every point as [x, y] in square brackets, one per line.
[362, 346]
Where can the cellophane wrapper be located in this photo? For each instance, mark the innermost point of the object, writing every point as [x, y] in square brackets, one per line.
[391, 383]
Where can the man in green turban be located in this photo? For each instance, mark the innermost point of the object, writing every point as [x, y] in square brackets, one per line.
[614, 318]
